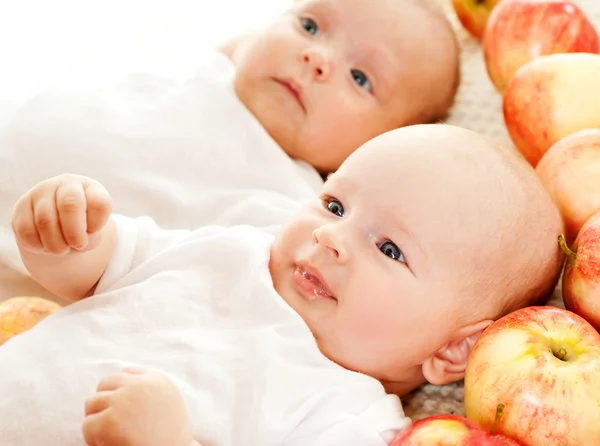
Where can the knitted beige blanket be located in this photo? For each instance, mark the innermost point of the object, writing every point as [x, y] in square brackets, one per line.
[478, 107]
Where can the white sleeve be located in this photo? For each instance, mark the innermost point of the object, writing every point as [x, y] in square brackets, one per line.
[138, 239]
[378, 425]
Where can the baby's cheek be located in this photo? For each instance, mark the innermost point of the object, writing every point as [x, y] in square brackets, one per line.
[372, 321]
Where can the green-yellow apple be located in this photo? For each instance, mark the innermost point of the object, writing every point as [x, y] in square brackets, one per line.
[543, 364]
[570, 170]
[552, 97]
[449, 430]
[581, 276]
[518, 31]
[474, 14]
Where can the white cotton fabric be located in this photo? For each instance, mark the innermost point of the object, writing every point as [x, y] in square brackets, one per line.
[172, 142]
[199, 306]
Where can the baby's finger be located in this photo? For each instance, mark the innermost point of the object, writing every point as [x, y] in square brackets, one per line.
[99, 206]
[134, 370]
[98, 402]
[94, 241]
[23, 226]
[45, 216]
[92, 429]
[112, 382]
[71, 207]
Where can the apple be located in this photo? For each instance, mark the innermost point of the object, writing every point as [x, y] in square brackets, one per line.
[19, 314]
[519, 31]
[581, 276]
[474, 14]
[449, 430]
[543, 364]
[550, 98]
[570, 170]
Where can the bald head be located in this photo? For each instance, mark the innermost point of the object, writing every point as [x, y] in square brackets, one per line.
[444, 61]
[527, 250]
[480, 210]
[514, 260]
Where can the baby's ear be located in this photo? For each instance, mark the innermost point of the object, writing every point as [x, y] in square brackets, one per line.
[449, 363]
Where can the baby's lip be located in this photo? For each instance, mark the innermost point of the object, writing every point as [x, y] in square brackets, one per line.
[311, 282]
[295, 90]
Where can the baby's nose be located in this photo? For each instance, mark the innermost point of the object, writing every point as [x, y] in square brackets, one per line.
[325, 238]
[318, 62]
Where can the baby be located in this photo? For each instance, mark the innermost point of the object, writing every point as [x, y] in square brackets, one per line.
[269, 113]
[228, 336]
[331, 74]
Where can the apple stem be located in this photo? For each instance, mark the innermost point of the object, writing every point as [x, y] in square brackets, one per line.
[561, 354]
[499, 412]
[565, 248]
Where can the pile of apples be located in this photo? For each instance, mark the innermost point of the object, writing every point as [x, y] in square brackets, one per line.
[533, 377]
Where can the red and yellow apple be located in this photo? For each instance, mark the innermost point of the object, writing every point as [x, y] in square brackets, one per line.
[519, 31]
[474, 14]
[570, 170]
[581, 276]
[543, 365]
[550, 98]
[449, 430]
[19, 314]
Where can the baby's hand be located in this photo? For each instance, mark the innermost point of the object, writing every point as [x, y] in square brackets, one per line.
[136, 408]
[61, 214]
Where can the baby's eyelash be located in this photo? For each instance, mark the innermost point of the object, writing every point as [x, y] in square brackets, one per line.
[391, 250]
[325, 198]
[333, 205]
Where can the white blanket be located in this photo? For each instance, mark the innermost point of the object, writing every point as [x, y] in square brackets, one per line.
[172, 142]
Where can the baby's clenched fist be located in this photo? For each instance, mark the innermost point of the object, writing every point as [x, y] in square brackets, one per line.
[62, 214]
[137, 407]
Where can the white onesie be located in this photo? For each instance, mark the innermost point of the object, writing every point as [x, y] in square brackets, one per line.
[199, 306]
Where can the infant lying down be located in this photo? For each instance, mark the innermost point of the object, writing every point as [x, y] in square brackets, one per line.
[239, 136]
[228, 336]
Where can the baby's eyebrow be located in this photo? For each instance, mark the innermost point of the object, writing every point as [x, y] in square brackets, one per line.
[386, 64]
[410, 237]
[381, 66]
[328, 9]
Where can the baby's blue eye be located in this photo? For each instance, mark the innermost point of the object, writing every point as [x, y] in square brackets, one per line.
[335, 207]
[310, 26]
[361, 79]
[392, 251]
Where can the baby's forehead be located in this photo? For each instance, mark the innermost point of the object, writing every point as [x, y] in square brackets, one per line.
[444, 174]
[431, 149]
[387, 15]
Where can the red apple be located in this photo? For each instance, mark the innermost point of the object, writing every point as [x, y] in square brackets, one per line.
[570, 170]
[20, 314]
[581, 276]
[474, 14]
[552, 97]
[543, 364]
[519, 31]
[449, 430]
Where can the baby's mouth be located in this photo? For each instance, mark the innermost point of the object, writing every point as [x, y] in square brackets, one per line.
[295, 90]
[311, 284]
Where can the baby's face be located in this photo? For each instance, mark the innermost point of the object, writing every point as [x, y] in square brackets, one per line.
[376, 265]
[331, 74]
